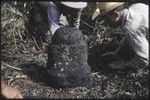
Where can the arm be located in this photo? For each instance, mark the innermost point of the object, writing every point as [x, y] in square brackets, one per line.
[138, 43]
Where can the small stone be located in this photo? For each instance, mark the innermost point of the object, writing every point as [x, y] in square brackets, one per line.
[15, 3]
[59, 74]
[71, 59]
[25, 5]
[59, 63]
[68, 53]
[66, 63]
[55, 65]
[127, 93]
[62, 69]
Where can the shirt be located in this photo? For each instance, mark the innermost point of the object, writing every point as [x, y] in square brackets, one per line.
[136, 28]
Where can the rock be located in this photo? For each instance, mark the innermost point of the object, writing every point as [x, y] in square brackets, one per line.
[67, 58]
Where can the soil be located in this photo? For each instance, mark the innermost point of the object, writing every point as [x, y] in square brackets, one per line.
[24, 61]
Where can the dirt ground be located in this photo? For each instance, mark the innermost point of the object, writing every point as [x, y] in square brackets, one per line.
[23, 60]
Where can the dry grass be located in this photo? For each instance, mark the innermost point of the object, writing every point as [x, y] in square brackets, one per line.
[23, 61]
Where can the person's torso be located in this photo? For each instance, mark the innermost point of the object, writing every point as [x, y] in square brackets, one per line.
[137, 18]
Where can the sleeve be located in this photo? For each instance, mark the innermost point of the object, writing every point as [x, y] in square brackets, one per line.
[122, 46]
[138, 43]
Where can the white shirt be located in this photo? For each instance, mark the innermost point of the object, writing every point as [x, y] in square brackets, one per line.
[136, 27]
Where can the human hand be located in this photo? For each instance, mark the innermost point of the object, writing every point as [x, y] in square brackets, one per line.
[9, 92]
[118, 65]
[109, 55]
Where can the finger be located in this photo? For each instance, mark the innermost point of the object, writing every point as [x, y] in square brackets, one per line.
[19, 96]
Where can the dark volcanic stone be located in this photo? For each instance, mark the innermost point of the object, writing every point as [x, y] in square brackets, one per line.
[67, 58]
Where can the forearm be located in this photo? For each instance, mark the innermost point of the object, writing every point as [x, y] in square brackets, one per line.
[122, 46]
[139, 44]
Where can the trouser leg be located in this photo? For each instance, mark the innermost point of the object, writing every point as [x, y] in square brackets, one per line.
[74, 17]
[53, 17]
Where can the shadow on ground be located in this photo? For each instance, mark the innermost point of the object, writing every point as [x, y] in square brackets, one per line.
[36, 72]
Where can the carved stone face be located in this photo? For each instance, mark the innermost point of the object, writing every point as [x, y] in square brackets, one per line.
[67, 58]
